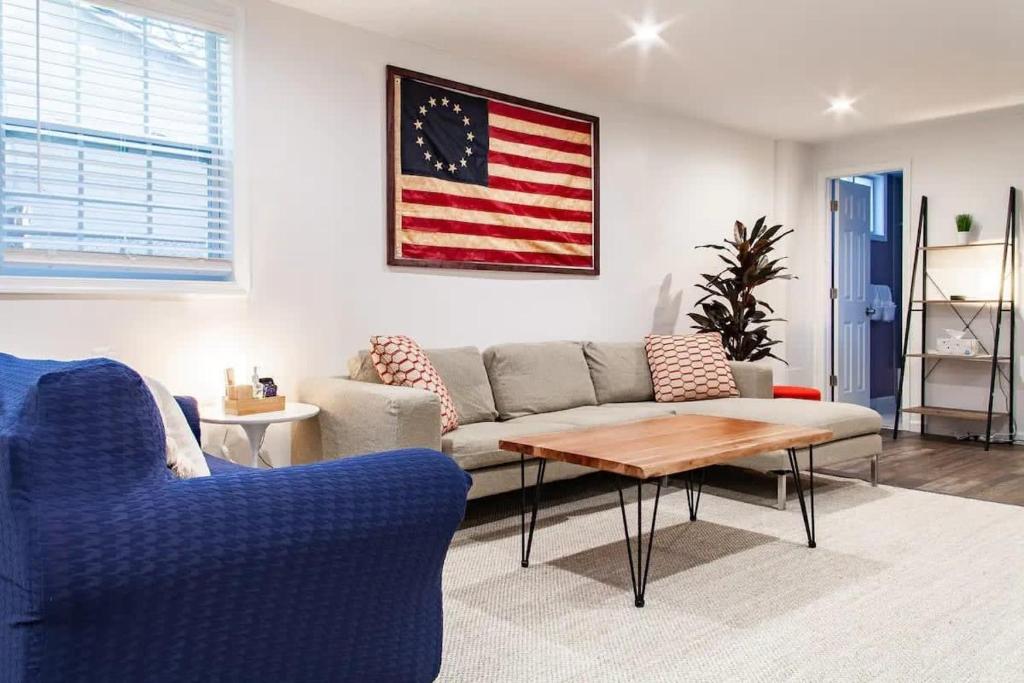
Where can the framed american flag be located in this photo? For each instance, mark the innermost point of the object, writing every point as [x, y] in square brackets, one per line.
[482, 180]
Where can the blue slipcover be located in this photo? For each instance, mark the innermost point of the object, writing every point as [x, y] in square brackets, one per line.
[113, 570]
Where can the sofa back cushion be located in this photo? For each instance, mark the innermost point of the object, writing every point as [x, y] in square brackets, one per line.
[538, 378]
[619, 371]
[362, 369]
[461, 369]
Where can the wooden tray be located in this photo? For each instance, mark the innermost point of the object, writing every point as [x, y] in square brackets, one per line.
[253, 406]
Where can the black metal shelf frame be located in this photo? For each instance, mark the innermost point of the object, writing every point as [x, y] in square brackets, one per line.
[1005, 306]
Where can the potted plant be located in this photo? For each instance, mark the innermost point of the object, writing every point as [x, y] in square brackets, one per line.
[964, 222]
[729, 306]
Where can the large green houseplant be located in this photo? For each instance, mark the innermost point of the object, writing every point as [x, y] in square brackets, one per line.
[729, 306]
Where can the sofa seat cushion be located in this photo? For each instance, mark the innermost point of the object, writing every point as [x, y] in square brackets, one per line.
[528, 379]
[220, 466]
[474, 446]
[846, 420]
[596, 416]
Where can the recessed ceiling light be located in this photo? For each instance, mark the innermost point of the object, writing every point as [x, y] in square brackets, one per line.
[840, 105]
[647, 32]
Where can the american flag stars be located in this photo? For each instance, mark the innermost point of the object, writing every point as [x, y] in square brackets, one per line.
[424, 110]
[435, 121]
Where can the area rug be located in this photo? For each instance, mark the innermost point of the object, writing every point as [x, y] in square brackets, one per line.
[904, 585]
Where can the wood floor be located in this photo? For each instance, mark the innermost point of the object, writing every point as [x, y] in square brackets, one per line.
[947, 466]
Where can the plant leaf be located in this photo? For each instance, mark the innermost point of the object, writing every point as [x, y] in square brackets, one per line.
[728, 305]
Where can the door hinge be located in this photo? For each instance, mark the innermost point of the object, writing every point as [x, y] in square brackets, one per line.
[834, 205]
[833, 293]
[833, 381]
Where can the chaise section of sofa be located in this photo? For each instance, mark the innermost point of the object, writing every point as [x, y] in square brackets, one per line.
[518, 389]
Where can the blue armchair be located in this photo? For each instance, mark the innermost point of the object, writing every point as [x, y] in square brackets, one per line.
[113, 570]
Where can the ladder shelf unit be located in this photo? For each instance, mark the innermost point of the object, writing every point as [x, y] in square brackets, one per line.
[1003, 310]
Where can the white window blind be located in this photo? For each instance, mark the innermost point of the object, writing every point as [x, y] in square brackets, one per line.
[115, 126]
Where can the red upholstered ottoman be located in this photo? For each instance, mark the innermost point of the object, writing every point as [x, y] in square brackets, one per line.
[805, 393]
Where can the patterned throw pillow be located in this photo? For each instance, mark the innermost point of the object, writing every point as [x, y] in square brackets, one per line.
[689, 368]
[401, 362]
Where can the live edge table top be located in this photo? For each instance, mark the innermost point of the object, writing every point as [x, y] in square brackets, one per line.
[665, 445]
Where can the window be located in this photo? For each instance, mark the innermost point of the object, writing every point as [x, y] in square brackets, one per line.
[115, 131]
[877, 185]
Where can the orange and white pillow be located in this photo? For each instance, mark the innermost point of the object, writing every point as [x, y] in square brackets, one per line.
[401, 362]
[689, 368]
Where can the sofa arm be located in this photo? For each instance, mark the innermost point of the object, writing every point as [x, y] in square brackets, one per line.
[327, 572]
[359, 417]
[753, 380]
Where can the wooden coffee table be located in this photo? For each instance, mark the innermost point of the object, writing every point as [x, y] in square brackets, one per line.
[653, 450]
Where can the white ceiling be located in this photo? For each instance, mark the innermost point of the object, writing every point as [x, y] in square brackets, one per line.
[768, 66]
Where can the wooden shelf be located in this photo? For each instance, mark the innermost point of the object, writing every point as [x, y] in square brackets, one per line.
[945, 247]
[968, 309]
[955, 413]
[950, 356]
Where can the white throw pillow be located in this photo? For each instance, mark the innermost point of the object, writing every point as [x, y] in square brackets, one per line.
[184, 456]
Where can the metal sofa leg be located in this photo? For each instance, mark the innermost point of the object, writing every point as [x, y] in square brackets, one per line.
[780, 503]
[874, 470]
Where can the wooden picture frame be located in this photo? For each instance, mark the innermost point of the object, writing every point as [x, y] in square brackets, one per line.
[393, 79]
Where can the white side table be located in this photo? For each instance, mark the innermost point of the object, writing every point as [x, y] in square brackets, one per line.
[255, 426]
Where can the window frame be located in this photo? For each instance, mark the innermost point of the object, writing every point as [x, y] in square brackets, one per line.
[239, 281]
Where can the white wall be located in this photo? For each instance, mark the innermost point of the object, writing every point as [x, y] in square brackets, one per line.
[964, 165]
[312, 140]
[792, 178]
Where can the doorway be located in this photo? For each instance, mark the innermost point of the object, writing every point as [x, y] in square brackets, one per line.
[867, 289]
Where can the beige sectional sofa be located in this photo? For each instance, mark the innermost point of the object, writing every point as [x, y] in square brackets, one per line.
[518, 389]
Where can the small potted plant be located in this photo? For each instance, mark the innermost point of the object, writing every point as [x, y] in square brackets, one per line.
[964, 222]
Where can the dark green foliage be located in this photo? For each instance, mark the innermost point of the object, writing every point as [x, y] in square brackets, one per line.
[729, 306]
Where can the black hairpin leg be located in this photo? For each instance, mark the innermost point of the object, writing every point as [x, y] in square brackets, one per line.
[526, 542]
[693, 495]
[639, 572]
[795, 467]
